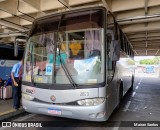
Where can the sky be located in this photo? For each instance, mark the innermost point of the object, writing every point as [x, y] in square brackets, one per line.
[138, 58]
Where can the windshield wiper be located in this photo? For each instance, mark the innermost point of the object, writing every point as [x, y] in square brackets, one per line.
[32, 73]
[63, 65]
[66, 71]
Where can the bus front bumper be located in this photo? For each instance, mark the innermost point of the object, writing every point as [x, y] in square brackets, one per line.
[90, 113]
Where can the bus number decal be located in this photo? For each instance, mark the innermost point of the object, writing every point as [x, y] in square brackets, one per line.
[84, 93]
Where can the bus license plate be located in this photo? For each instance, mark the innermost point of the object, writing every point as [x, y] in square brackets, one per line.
[54, 111]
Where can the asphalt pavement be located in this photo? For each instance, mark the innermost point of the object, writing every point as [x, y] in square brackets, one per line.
[141, 104]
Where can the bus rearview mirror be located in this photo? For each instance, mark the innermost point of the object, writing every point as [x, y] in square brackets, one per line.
[115, 50]
[17, 40]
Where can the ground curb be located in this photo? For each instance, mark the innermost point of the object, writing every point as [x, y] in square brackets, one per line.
[11, 114]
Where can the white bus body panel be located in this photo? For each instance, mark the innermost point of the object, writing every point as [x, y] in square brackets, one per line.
[62, 96]
[66, 96]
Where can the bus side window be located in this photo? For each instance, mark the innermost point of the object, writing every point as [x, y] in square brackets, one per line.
[110, 62]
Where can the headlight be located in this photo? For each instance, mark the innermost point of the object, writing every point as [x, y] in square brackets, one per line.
[27, 97]
[90, 102]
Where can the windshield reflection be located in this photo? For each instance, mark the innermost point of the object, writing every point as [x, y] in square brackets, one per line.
[78, 58]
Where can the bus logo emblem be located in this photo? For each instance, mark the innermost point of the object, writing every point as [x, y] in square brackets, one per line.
[30, 90]
[53, 98]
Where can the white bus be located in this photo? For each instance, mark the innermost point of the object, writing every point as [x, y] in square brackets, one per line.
[77, 64]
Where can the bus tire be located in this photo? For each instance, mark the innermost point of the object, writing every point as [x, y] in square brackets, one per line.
[132, 83]
[120, 94]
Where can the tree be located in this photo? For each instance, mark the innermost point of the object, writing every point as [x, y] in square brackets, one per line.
[147, 61]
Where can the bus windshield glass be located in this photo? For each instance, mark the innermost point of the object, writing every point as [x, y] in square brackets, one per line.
[66, 48]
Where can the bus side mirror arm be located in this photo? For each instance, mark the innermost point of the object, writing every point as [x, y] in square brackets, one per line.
[16, 48]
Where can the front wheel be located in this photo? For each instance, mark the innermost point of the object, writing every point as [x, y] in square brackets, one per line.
[132, 83]
[120, 95]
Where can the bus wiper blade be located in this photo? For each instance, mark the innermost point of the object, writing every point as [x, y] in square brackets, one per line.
[32, 77]
[63, 66]
[67, 72]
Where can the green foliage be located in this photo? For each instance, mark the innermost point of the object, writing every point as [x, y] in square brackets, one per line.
[149, 61]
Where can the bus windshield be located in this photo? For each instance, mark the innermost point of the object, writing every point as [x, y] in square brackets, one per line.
[61, 50]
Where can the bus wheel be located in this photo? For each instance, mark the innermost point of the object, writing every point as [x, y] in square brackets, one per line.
[120, 95]
[132, 83]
